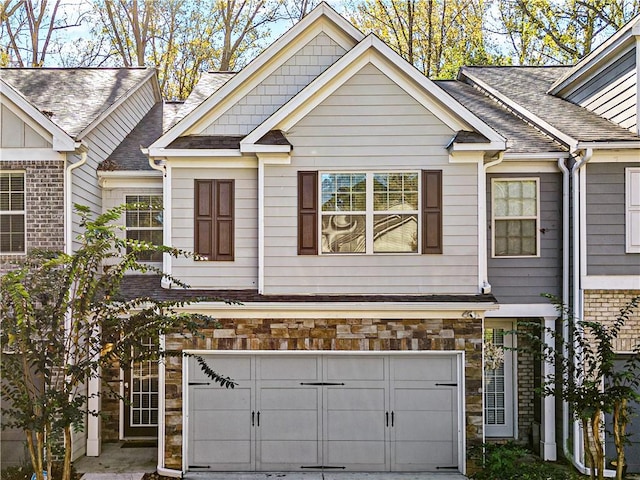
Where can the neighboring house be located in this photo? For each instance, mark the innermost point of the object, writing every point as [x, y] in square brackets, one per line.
[57, 126]
[375, 229]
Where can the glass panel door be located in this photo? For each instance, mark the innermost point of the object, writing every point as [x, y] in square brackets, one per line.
[141, 392]
[498, 382]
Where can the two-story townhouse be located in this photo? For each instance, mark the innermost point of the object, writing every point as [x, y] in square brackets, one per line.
[57, 126]
[591, 109]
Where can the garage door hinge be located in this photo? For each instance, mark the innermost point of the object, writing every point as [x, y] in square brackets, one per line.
[446, 384]
[324, 467]
[320, 384]
[199, 383]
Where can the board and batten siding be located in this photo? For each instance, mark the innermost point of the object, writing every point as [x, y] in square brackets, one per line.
[523, 280]
[14, 133]
[371, 124]
[102, 141]
[240, 273]
[605, 217]
[278, 88]
[612, 94]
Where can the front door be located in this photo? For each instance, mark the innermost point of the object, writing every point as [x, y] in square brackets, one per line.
[141, 393]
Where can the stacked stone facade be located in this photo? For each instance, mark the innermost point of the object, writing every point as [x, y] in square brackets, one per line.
[44, 201]
[352, 334]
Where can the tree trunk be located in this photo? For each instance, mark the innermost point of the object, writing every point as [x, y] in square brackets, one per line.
[588, 451]
[619, 431]
[596, 420]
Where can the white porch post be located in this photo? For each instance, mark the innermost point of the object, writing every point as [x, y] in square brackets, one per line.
[548, 421]
[94, 439]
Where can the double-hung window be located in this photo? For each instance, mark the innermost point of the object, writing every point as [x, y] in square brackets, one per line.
[144, 223]
[515, 217]
[369, 212]
[12, 213]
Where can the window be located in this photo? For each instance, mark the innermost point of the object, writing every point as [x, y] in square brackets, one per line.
[370, 212]
[214, 222]
[144, 223]
[632, 200]
[515, 217]
[12, 213]
[498, 393]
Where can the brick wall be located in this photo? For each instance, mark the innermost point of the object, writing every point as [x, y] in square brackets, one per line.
[44, 184]
[604, 306]
[330, 334]
[526, 387]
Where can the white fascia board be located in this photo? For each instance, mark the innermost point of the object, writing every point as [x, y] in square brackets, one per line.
[610, 282]
[373, 50]
[260, 148]
[472, 147]
[105, 113]
[631, 145]
[263, 65]
[340, 309]
[128, 179]
[524, 310]
[213, 162]
[155, 152]
[31, 154]
[516, 107]
[613, 43]
[62, 142]
[550, 156]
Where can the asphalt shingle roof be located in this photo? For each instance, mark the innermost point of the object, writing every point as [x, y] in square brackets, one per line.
[74, 97]
[528, 86]
[209, 82]
[521, 137]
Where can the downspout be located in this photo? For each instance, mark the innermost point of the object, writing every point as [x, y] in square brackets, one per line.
[166, 265]
[575, 456]
[68, 209]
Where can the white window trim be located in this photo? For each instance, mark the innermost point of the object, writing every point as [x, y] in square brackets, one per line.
[537, 217]
[510, 428]
[161, 229]
[369, 212]
[18, 212]
[632, 211]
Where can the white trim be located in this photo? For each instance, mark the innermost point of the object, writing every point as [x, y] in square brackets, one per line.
[525, 113]
[61, 140]
[105, 113]
[520, 217]
[321, 19]
[135, 180]
[610, 282]
[168, 209]
[549, 156]
[620, 145]
[524, 168]
[548, 445]
[261, 200]
[31, 154]
[156, 152]
[632, 209]
[474, 147]
[373, 50]
[523, 310]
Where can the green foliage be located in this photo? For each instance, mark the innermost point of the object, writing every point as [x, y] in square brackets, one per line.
[510, 461]
[64, 318]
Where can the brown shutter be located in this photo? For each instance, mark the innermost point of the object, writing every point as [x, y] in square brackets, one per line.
[214, 223]
[307, 213]
[432, 211]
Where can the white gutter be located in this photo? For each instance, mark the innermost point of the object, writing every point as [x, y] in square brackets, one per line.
[577, 455]
[483, 273]
[68, 208]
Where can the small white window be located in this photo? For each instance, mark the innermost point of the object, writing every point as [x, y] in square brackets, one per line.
[499, 398]
[632, 200]
[12, 213]
[369, 212]
[144, 223]
[515, 217]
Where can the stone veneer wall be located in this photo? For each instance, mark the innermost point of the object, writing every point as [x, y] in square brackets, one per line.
[44, 198]
[604, 306]
[326, 335]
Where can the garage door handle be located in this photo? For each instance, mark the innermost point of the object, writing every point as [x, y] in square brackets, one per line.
[392, 418]
[258, 418]
[253, 419]
[387, 415]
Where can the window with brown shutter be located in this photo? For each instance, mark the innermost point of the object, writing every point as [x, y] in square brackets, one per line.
[431, 211]
[307, 213]
[214, 219]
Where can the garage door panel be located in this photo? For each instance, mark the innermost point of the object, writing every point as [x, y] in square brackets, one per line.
[356, 398]
[436, 369]
[429, 455]
[354, 455]
[236, 367]
[217, 453]
[353, 425]
[413, 399]
[289, 398]
[221, 399]
[431, 426]
[216, 425]
[288, 454]
[284, 425]
[288, 368]
[354, 368]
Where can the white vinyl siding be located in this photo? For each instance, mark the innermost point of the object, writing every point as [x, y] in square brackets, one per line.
[242, 272]
[370, 122]
[14, 133]
[275, 90]
[632, 198]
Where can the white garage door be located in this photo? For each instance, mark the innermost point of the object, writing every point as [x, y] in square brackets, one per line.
[299, 412]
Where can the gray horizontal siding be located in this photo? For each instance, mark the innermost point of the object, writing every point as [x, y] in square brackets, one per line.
[370, 123]
[523, 280]
[605, 219]
[243, 271]
[612, 93]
